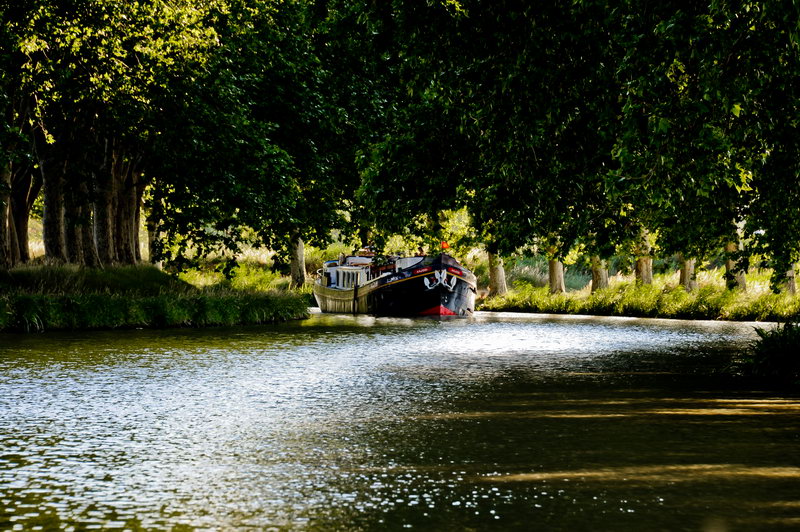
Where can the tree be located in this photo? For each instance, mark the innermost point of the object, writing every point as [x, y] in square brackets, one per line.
[769, 51]
[93, 70]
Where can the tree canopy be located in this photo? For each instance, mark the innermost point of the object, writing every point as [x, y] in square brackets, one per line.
[552, 124]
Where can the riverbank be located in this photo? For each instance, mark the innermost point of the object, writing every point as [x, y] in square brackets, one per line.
[43, 298]
[659, 300]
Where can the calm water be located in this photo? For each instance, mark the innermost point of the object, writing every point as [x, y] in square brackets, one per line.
[503, 422]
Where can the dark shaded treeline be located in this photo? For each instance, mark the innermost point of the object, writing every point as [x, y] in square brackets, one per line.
[613, 127]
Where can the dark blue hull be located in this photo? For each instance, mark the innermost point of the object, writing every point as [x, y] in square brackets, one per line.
[441, 287]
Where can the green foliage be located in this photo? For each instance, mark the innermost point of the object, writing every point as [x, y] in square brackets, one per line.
[254, 277]
[478, 263]
[316, 256]
[551, 133]
[528, 298]
[764, 307]
[514, 126]
[775, 356]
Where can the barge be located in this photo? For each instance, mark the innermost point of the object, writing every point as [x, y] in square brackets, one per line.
[399, 286]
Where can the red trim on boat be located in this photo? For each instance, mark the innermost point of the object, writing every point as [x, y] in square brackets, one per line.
[441, 310]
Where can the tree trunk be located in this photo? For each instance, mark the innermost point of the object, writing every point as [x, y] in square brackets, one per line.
[77, 216]
[790, 286]
[73, 222]
[152, 221]
[298, 261]
[644, 261]
[25, 188]
[599, 274]
[88, 246]
[126, 214]
[688, 276]
[53, 217]
[5, 216]
[644, 270]
[103, 210]
[13, 243]
[20, 216]
[78, 219]
[90, 256]
[497, 276]
[556, 276]
[734, 277]
[364, 236]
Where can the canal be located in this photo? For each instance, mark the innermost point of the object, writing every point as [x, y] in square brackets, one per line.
[501, 422]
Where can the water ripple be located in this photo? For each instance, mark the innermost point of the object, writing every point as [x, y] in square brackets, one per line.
[342, 422]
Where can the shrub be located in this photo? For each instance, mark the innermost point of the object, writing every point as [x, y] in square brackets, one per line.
[477, 262]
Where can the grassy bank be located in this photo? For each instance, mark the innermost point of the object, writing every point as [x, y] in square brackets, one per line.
[42, 298]
[663, 299]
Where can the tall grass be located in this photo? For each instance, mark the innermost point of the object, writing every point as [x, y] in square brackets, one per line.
[71, 279]
[68, 297]
[107, 311]
[533, 271]
[664, 299]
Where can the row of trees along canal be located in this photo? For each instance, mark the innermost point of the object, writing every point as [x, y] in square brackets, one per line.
[554, 124]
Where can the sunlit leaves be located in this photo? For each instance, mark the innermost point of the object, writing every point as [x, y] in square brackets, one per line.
[113, 51]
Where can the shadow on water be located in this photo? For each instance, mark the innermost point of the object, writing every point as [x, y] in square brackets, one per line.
[506, 422]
